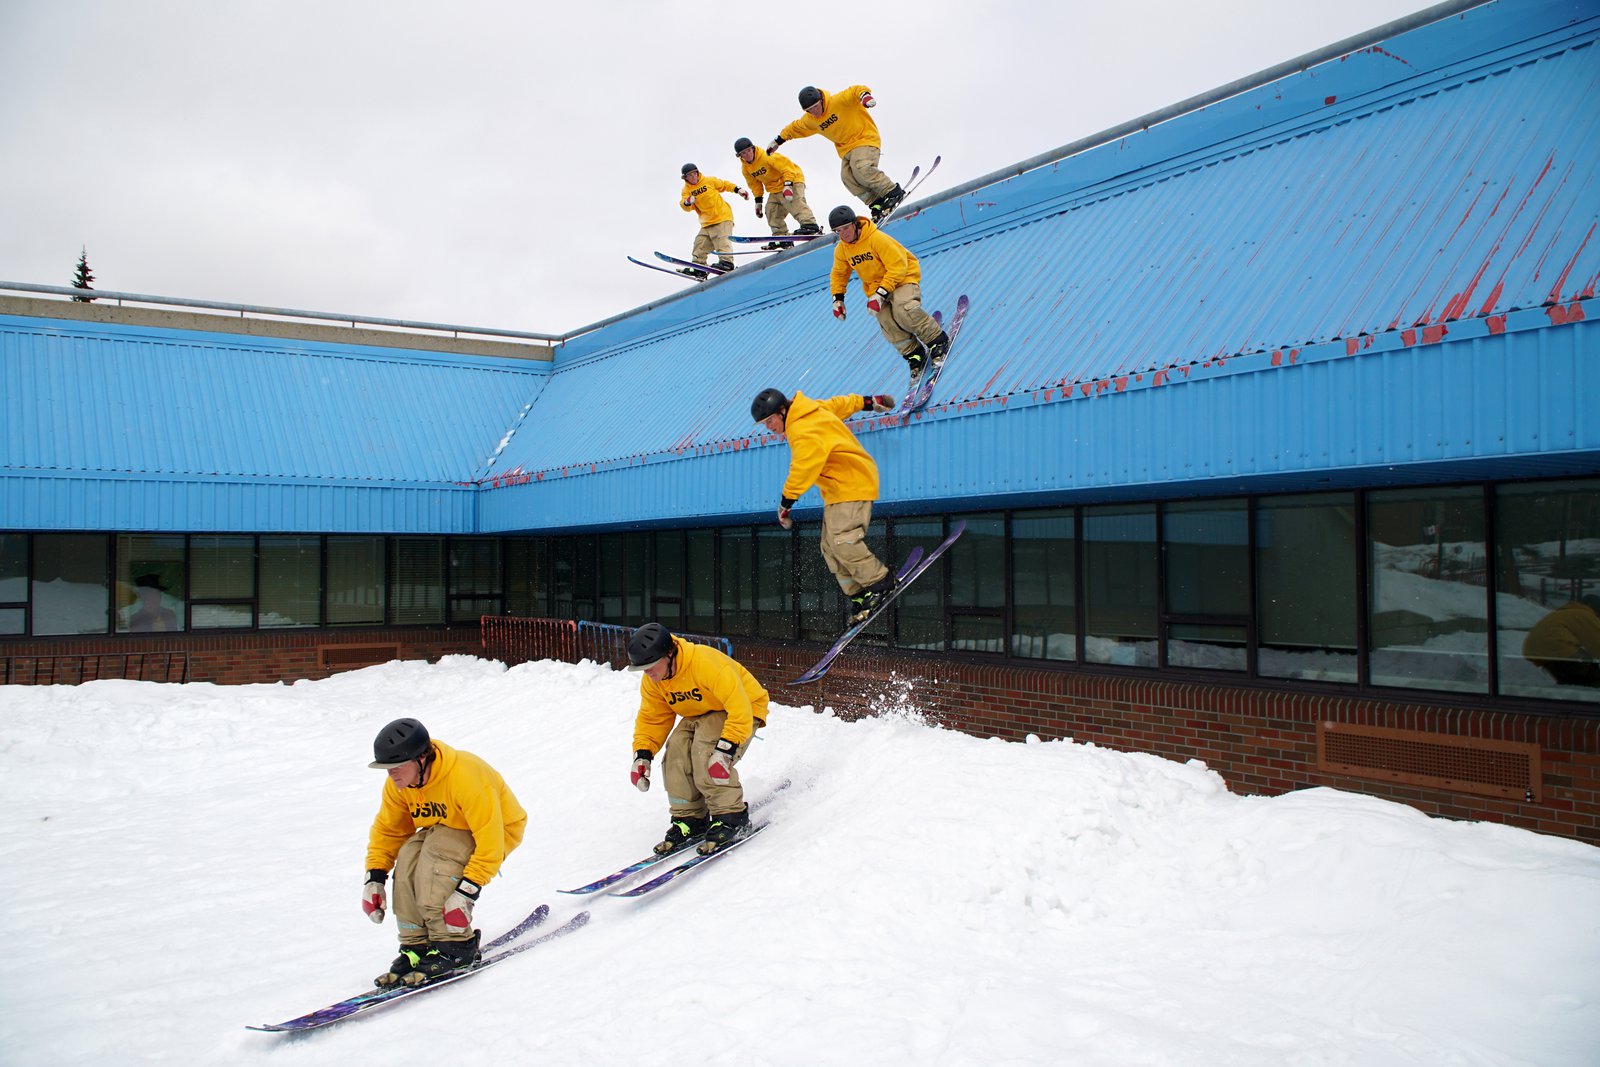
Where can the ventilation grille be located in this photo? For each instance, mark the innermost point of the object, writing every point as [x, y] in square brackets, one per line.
[1460, 764]
[343, 657]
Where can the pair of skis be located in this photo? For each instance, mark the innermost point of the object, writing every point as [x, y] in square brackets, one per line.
[494, 953]
[709, 271]
[921, 390]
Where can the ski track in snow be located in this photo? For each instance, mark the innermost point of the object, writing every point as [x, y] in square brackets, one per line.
[180, 861]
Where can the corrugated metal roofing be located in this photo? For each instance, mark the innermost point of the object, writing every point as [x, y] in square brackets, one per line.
[1452, 174]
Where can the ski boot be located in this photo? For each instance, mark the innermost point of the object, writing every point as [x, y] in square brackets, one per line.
[725, 829]
[868, 600]
[938, 349]
[446, 958]
[409, 959]
[681, 833]
[808, 229]
[777, 244]
[887, 203]
[917, 360]
[725, 263]
[697, 275]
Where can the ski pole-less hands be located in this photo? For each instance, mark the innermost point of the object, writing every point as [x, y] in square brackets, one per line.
[776, 141]
[374, 901]
[721, 765]
[867, 101]
[838, 307]
[876, 301]
[783, 516]
[640, 775]
[788, 190]
[878, 403]
[458, 906]
[758, 207]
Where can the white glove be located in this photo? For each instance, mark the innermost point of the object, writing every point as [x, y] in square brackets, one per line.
[640, 776]
[876, 301]
[838, 308]
[783, 517]
[373, 899]
[867, 101]
[759, 206]
[458, 906]
[721, 765]
[788, 190]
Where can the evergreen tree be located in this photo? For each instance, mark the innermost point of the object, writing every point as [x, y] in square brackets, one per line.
[82, 277]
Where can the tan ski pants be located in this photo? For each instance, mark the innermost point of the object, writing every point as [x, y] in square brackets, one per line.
[425, 874]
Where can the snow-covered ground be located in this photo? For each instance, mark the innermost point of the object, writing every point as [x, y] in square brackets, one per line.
[179, 861]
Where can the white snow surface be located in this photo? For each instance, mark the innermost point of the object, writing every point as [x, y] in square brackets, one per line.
[179, 861]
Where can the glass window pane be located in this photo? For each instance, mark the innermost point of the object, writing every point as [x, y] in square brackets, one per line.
[612, 577]
[1208, 573]
[13, 568]
[291, 581]
[1043, 590]
[822, 605]
[667, 580]
[474, 578]
[978, 564]
[12, 620]
[1547, 607]
[222, 568]
[775, 586]
[1429, 598]
[355, 581]
[222, 616]
[636, 576]
[1306, 587]
[417, 591]
[70, 593]
[150, 576]
[977, 633]
[702, 581]
[737, 589]
[919, 611]
[1119, 584]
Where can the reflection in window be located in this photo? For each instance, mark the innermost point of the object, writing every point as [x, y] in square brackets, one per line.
[774, 582]
[417, 591]
[977, 563]
[1547, 605]
[1428, 602]
[821, 602]
[222, 581]
[920, 609]
[668, 580]
[1306, 587]
[702, 581]
[70, 594]
[612, 577]
[737, 588]
[1043, 589]
[1119, 585]
[13, 582]
[475, 578]
[150, 577]
[1208, 583]
[291, 581]
[355, 581]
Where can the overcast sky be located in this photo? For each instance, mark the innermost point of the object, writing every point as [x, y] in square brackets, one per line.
[491, 164]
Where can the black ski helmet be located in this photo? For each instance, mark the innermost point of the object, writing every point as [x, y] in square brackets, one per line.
[741, 144]
[688, 169]
[810, 95]
[399, 743]
[767, 403]
[843, 215]
[649, 645]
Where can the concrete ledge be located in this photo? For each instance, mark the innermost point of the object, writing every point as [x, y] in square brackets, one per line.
[162, 318]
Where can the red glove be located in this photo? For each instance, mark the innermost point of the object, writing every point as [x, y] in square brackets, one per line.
[867, 101]
[879, 403]
[758, 207]
[744, 194]
[788, 190]
[783, 517]
[721, 765]
[838, 308]
[876, 301]
[458, 906]
[640, 776]
[373, 900]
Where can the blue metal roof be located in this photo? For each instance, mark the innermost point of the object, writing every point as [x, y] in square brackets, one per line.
[1410, 194]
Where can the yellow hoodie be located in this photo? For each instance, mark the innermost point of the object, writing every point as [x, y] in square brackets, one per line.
[824, 453]
[708, 204]
[845, 121]
[767, 172]
[880, 260]
[705, 679]
[462, 792]
[1567, 633]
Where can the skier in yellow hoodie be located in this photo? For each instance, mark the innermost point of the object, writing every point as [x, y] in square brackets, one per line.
[891, 278]
[711, 706]
[702, 195]
[446, 823]
[1566, 643]
[779, 186]
[842, 118]
[824, 453]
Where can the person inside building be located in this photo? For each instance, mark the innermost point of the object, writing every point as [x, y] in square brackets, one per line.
[698, 708]
[823, 452]
[1565, 644]
[446, 823]
[843, 118]
[891, 278]
[152, 615]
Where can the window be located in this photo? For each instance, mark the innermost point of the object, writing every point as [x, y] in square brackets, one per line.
[13, 583]
[474, 578]
[355, 581]
[1306, 587]
[919, 611]
[774, 582]
[1119, 584]
[702, 581]
[1206, 546]
[291, 582]
[222, 581]
[1427, 609]
[737, 588]
[150, 583]
[978, 585]
[667, 584]
[1043, 585]
[417, 590]
[612, 579]
[821, 603]
[1547, 578]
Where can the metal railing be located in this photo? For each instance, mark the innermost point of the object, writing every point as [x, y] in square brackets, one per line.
[95, 666]
[513, 640]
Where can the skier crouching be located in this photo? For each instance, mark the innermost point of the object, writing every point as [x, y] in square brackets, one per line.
[446, 823]
[891, 278]
[717, 706]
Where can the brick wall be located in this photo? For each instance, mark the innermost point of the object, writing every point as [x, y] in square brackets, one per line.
[260, 656]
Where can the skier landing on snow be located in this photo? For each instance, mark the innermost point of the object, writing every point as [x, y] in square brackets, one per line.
[717, 706]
